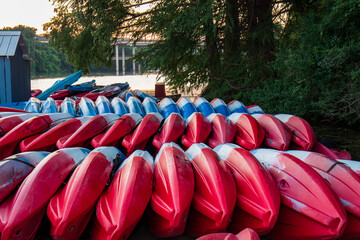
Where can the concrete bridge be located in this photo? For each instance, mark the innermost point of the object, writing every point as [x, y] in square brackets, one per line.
[123, 43]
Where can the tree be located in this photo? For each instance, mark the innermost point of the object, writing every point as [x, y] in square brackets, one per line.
[47, 60]
[224, 44]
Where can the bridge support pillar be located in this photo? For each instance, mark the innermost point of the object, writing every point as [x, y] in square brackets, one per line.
[117, 59]
[123, 59]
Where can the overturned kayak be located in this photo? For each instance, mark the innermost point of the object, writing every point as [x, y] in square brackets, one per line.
[258, 198]
[33, 126]
[119, 106]
[87, 107]
[249, 134]
[47, 141]
[49, 106]
[197, 130]
[302, 133]
[223, 130]
[173, 192]
[215, 192]
[144, 131]
[70, 209]
[25, 210]
[186, 107]
[68, 106]
[331, 153]
[7, 123]
[309, 207]
[8, 109]
[171, 130]
[15, 168]
[254, 109]
[149, 105]
[344, 182]
[167, 106]
[277, 134]
[354, 165]
[33, 105]
[83, 136]
[122, 127]
[134, 105]
[246, 234]
[220, 107]
[203, 106]
[236, 106]
[103, 105]
[123, 203]
[8, 114]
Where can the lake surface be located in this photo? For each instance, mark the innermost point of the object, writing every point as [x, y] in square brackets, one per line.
[141, 82]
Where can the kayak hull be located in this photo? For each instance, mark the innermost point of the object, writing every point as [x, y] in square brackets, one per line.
[173, 192]
[309, 207]
[258, 198]
[214, 195]
[121, 206]
[71, 208]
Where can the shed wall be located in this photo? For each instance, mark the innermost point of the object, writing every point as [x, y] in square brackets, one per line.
[20, 77]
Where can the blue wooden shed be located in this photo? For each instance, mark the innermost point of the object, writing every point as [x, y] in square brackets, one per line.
[14, 68]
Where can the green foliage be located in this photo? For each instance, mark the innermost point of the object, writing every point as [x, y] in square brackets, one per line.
[318, 63]
[86, 30]
[297, 57]
[47, 60]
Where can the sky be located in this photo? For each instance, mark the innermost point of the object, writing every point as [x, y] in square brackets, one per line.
[32, 13]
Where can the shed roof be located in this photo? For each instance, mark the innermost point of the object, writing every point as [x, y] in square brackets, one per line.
[9, 41]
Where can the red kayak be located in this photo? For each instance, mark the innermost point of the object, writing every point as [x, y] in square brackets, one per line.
[277, 134]
[258, 198]
[344, 182]
[331, 153]
[10, 122]
[122, 127]
[249, 134]
[9, 142]
[71, 208]
[246, 234]
[144, 131]
[215, 192]
[35, 92]
[198, 129]
[173, 192]
[354, 165]
[310, 209]
[83, 136]
[107, 91]
[223, 130]
[121, 206]
[302, 133]
[6, 109]
[21, 215]
[47, 141]
[171, 130]
[62, 94]
[14, 169]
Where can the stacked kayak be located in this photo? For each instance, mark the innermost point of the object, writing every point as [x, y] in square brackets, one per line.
[206, 169]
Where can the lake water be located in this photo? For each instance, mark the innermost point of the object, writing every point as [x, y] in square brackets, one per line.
[141, 82]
